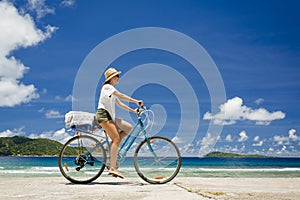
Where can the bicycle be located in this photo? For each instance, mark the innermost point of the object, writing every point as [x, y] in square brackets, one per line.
[83, 158]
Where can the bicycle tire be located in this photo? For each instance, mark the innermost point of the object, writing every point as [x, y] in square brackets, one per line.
[161, 168]
[82, 159]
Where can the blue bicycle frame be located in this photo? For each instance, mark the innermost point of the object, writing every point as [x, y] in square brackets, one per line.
[126, 145]
[142, 129]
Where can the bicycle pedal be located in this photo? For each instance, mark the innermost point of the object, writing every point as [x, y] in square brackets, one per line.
[66, 166]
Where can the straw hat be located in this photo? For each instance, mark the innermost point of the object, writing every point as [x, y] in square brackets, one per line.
[110, 73]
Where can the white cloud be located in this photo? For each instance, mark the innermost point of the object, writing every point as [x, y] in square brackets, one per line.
[243, 136]
[236, 149]
[69, 98]
[17, 31]
[188, 149]
[57, 98]
[44, 91]
[68, 3]
[258, 144]
[256, 138]
[229, 138]
[40, 8]
[51, 114]
[259, 101]
[271, 149]
[233, 110]
[280, 139]
[292, 134]
[13, 93]
[286, 140]
[60, 135]
[206, 143]
[177, 139]
[11, 133]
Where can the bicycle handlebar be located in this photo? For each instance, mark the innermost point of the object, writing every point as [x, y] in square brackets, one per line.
[141, 110]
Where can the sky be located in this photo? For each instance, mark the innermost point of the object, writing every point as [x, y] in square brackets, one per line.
[219, 75]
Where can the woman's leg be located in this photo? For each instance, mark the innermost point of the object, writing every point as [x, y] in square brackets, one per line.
[124, 126]
[112, 131]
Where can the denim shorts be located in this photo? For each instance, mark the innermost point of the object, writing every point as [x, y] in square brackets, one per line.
[102, 115]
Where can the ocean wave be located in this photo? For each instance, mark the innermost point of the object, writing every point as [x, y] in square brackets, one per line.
[26, 172]
[30, 170]
[242, 169]
[131, 170]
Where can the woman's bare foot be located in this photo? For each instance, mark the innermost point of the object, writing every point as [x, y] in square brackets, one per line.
[115, 173]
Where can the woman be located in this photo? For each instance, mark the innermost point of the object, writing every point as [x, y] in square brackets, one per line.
[105, 115]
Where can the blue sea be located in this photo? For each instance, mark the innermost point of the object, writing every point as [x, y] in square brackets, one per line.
[191, 167]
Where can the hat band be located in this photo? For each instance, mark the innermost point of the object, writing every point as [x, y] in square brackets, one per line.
[112, 75]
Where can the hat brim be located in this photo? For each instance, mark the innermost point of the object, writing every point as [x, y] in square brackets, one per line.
[112, 75]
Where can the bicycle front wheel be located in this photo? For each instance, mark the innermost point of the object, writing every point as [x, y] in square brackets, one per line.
[82, 159]
[157, 160]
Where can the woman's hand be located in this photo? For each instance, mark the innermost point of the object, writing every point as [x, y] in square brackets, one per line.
[140, 103]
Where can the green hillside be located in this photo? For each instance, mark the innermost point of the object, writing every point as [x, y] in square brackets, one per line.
[20, 146]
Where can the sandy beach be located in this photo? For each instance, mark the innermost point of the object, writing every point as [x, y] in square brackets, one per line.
[134, 188]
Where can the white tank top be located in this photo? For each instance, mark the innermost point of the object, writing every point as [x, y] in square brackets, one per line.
[107, 100]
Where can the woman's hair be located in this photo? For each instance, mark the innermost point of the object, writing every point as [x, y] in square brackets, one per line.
[106, 82]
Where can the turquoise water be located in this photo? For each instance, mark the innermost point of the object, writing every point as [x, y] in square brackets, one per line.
[241, 167]
[191, 167]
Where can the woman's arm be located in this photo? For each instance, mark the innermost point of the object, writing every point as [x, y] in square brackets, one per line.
[123, 106]
[127, 98]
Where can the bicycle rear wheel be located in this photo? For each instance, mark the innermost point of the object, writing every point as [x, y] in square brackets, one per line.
[157, 160]
[82, 159]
